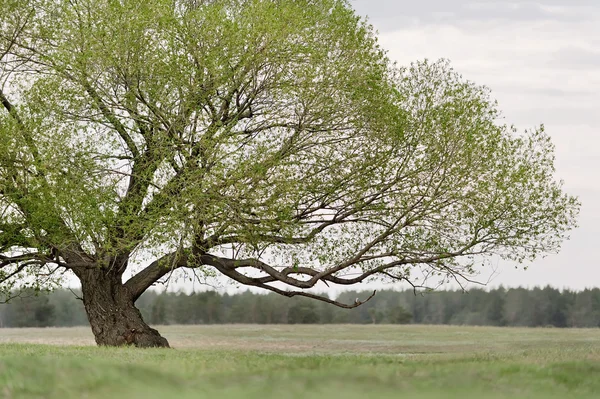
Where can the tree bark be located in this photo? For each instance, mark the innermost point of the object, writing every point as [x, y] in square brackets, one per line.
[112, 314]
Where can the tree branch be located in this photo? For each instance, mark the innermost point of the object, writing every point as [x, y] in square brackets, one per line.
[221, 265]
[30, 142]
[154, 271]
[112, 118]
[17, 118]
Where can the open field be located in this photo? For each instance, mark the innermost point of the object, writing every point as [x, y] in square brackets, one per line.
[292, 361]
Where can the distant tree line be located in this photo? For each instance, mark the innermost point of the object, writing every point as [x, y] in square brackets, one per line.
[498, 307]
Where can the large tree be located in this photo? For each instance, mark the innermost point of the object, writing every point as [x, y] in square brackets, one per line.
[270, 141]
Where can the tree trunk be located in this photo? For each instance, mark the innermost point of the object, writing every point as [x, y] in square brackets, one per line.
[112, 314]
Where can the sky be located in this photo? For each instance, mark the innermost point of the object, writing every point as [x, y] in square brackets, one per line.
[541, 59]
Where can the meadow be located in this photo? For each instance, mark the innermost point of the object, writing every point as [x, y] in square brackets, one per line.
[306, 361]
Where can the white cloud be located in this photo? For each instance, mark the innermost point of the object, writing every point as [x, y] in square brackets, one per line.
[542, 61]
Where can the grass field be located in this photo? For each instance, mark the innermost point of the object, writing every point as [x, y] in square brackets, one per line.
[341, 361]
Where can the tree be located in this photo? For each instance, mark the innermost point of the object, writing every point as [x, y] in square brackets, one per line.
[396, 314]
[267, 141]
[31, 309]
[303, 312]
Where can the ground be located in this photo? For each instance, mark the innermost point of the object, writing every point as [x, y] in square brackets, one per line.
[292, 361]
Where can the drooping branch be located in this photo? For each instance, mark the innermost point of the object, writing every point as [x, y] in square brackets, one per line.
[139, 283]
[224, 266]
[229, 267]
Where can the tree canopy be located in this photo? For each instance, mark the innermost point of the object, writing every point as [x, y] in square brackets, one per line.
[269, 141]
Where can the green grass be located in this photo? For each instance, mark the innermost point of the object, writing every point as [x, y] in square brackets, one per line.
[306, 361]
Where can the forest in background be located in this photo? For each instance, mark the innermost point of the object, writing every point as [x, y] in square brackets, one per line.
[538, 307]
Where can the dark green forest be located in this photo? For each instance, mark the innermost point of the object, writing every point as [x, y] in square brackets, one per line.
[538, 307]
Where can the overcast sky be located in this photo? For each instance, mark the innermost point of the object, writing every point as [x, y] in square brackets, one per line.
[542, 61]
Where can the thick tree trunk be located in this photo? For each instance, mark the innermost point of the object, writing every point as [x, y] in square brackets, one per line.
[112, 314]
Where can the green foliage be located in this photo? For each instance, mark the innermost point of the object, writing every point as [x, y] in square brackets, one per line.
[265, 140]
